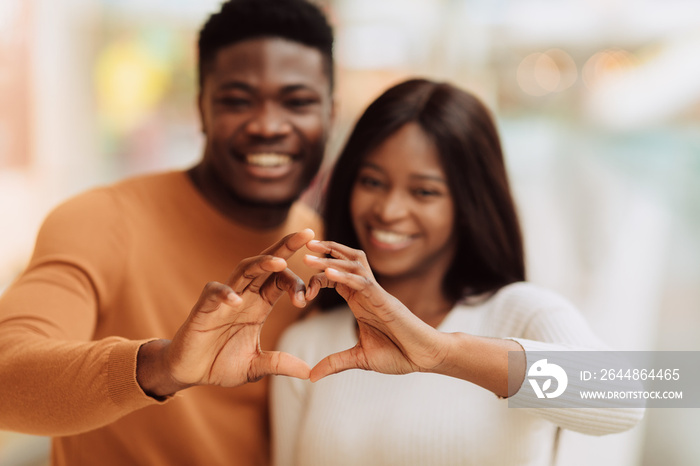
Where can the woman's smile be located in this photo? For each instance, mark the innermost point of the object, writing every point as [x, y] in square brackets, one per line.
[402, 207]
[385, 239]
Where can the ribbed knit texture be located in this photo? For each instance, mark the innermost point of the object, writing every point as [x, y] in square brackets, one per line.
[362, 418]
[113, 268]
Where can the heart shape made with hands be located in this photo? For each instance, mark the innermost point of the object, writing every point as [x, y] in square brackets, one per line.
[219, 342]
[391, 339]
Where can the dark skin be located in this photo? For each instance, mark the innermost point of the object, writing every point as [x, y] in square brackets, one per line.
[395, 340]
[261, 100]
[403, 214]
[262, 96]
[219, 343]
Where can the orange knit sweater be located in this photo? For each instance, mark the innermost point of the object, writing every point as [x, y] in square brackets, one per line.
[113, 268]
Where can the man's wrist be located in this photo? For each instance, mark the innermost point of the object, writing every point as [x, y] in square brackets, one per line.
[152, 373]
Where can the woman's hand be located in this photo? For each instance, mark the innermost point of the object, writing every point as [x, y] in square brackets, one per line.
[219, 343]
[392, 340]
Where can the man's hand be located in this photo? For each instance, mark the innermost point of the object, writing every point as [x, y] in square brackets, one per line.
[219, 343]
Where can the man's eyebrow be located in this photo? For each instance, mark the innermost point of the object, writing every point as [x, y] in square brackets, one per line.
[242, 86]
[232, 85]
[288, 89]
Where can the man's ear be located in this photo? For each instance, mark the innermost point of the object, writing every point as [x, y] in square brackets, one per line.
[332, 113]
[200, 109]
[334, 106]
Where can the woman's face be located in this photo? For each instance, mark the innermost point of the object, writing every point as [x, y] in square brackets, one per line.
[402, 208]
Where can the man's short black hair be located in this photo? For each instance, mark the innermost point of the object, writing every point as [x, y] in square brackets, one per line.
[238, 20]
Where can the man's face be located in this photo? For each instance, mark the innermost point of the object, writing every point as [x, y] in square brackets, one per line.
[266, 109]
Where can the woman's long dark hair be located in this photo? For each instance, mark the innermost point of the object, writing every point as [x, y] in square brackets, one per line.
[490, 251]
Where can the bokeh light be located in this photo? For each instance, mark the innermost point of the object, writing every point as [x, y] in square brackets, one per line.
[543, 73]
[606, 63]
[130, 81]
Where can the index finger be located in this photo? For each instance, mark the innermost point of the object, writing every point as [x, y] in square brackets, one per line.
[337, 250]
[252, 268]
[284, 248]
[287, 246]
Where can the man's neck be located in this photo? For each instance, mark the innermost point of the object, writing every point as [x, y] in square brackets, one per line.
[257, 216]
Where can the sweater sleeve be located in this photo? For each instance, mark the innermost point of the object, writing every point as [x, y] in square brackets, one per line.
[55, 379]
[552, 324]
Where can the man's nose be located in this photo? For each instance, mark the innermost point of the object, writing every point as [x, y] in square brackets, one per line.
[269, 121]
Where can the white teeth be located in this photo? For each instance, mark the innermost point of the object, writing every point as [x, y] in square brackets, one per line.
[268, 160]
[389, 237]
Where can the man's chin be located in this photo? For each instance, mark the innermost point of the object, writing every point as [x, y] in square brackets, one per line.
[271, 196]
[269, 203]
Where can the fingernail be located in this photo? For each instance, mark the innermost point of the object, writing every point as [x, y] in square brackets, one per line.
[314, 241]
[312, 257]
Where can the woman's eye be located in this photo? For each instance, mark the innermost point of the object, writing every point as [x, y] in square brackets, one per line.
[426, 193]
[369, 182]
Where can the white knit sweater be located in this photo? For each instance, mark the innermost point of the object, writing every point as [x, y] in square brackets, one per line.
[365, 418]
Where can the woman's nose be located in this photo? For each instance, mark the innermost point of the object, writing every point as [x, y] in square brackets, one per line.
[390, 207]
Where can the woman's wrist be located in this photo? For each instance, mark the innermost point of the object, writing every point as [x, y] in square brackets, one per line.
[482, 361]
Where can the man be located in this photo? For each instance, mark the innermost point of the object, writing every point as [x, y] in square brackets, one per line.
[98, 337]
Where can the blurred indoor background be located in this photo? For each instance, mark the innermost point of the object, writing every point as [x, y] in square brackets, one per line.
[598, 102]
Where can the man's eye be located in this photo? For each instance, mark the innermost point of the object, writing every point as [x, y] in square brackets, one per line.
[300, 102]
[234, 102]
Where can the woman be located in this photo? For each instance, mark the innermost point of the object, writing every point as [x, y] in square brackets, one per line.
[439, 293]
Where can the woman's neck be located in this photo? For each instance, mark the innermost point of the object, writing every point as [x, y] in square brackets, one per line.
[422, 295]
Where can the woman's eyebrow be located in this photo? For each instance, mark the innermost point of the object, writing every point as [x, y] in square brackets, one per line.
[417, 176]
[437, 178]
[372, 166]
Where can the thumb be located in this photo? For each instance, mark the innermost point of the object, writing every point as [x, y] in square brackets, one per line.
[337, 362]
[278, 363]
